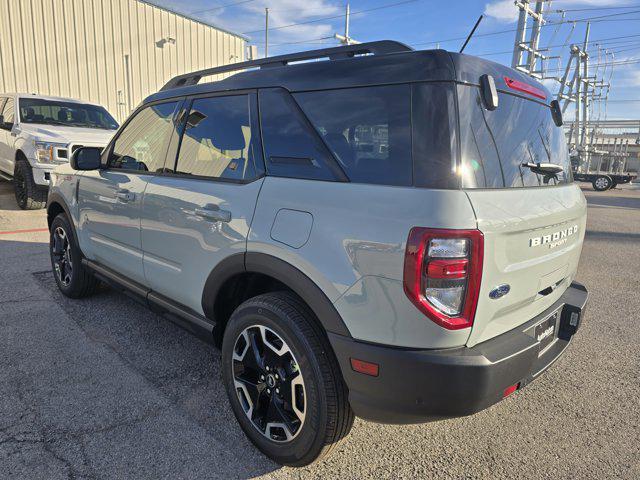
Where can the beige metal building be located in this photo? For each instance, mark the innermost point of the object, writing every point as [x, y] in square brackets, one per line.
[114, 52]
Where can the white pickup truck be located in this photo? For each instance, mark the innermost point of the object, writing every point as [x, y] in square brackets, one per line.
[37, 133]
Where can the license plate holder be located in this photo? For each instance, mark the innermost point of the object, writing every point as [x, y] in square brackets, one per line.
[546, 331]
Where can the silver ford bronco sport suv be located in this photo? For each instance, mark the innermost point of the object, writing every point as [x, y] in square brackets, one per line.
[387, 233]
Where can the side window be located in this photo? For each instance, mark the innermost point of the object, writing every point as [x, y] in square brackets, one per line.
[2, 100]
[9, 111]
[217, 140]
[143, 143]
[292, 147]
[367, 129]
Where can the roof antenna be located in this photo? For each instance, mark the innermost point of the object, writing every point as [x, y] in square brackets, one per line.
[473, 30]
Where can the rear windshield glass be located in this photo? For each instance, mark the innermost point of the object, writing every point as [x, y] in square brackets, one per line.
[496, 143]
[69, 114]
[398, 135]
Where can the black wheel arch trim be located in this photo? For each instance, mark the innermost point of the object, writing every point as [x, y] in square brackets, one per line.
[59, 199]
[292, 277]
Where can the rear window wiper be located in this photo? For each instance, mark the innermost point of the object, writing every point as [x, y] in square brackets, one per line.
[544, 168]
[547, 170]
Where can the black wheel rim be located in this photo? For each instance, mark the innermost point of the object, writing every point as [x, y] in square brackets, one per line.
[61, 255]
[269, 383]
[21, 187]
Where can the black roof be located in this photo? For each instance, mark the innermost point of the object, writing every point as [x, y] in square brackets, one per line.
[391, 63]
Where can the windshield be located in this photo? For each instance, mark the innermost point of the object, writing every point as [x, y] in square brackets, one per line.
[496, 143]
[69, 114]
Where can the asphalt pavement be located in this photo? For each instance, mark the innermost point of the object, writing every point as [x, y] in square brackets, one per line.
[103, 388]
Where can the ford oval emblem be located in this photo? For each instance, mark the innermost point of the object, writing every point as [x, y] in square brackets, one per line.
[499, 291]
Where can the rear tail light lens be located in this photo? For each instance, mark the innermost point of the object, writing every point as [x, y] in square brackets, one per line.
[442, 273]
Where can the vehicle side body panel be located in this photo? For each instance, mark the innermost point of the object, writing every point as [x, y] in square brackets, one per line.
[355, 250]
[181, 248]
[109, 224]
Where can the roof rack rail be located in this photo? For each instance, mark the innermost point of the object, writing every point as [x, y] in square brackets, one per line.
[381, 47]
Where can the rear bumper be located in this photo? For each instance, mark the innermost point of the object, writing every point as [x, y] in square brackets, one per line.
[415, 386]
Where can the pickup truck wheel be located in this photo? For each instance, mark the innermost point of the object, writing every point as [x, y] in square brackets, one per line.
[73, 279]
[602, 183]
[283, 380]
[28, 195]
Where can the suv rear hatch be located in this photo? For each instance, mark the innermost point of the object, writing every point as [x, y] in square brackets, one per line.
[533, 224]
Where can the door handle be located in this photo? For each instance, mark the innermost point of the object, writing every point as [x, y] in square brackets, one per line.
[125, 195]
[214, 214]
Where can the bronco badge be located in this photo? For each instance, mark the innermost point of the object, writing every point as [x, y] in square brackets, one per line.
[554, 239]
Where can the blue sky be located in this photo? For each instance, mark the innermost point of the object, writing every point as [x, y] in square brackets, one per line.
[425, 23]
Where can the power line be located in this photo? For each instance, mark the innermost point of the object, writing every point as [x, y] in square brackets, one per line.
[621, 39]
[549, 23]
[310, 41]
[221, 6]
[591, 42]
[593, 8]
[631, 61]
[321, 19]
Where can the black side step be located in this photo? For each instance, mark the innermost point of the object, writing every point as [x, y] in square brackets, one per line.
[182, 316]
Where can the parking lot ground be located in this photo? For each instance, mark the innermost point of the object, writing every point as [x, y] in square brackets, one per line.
[103, 388]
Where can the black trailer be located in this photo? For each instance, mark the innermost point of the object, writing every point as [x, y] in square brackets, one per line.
[604, 169]
[605, 181]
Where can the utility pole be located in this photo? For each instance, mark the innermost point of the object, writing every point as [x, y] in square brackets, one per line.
[581, 90]
[529, 48]
[347, 16]
[266, 32]
[346, 39]
[587, 83]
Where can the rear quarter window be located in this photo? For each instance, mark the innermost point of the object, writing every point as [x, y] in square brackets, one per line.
[367, 129]
[292, 147]
[496, 143]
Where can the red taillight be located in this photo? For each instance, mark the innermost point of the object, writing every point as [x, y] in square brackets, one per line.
[442, 273]
[447, 268]
[525, 87]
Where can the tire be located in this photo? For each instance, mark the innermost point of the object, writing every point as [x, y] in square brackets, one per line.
[614, 184]
[309, 390]
[602, 183]
[29, 196]
[73, 279]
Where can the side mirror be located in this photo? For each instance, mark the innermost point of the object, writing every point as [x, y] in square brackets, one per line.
[4, 125]
[489, 92]
[86, 158]
[556, 112]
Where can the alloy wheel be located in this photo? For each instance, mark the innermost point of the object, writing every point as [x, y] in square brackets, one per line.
[269, 383]
[61, 253]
